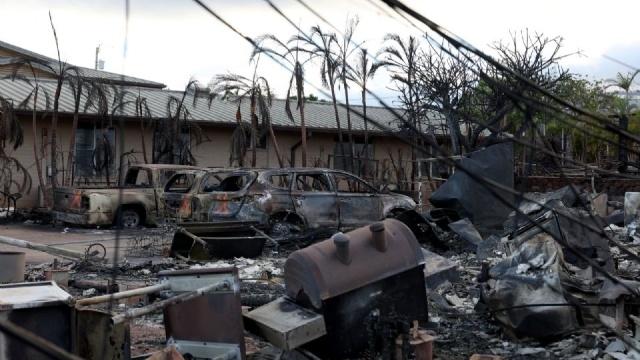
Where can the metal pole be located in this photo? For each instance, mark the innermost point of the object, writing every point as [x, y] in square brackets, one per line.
[123, 294]
[44, 248]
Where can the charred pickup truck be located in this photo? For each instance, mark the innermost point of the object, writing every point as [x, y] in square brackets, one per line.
[285, 201]
[136, 202]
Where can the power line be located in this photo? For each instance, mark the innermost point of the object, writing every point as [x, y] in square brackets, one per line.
[458, 43]
[487, 183]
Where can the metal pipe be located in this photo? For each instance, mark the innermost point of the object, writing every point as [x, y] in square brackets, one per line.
[192, 236]
[378, 235]
[69, 254]
[341, 242]
[133, 313]
[123, 294]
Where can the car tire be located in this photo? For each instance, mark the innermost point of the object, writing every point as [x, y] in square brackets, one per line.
[129, 218]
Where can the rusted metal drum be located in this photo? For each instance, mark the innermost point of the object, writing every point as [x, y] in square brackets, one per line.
[11, 266]
[375, 252]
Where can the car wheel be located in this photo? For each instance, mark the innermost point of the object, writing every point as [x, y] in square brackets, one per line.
[129, 219]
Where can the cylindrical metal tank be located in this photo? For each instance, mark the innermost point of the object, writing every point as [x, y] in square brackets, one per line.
[12, 266]
[317, 272]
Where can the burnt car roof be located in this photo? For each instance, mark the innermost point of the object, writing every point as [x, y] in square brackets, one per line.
[168, 166]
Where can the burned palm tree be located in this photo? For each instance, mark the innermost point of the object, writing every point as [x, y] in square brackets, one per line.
[324, 46]
[238, 88]
[345, 51]
[172, 134]
[364, 70]
[31, 100]
[401, 58]
[93, 94]
[62, 72]
[143, 113]
[14, 177]
[273, 46]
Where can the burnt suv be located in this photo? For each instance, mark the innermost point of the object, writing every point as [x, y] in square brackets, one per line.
[286, 200]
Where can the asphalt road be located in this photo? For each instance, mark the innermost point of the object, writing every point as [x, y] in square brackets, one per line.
[76, 239]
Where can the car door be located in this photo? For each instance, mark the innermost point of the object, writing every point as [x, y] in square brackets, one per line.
[140, 181]
[315, 200]
[358, 202]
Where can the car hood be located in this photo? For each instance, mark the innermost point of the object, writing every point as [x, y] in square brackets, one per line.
[395, 201]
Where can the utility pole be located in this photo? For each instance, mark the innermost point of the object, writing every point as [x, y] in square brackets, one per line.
[97, 57]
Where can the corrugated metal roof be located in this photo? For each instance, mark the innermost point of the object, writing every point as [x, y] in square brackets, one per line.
[318, 115]
[87, 72]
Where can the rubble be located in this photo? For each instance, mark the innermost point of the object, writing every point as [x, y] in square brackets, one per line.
[479, 290]
[494, 162]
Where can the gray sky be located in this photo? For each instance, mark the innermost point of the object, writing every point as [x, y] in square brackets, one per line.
[171, 41]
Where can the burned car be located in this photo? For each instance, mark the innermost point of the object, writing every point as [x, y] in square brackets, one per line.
[134, 202]
[288, 200]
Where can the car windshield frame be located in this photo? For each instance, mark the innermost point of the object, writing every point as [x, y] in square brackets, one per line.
[252, 177]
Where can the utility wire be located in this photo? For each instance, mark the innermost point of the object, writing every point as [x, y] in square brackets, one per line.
[458, 43]
[532, 146]
[485, 182]
[545, 107]
[540, 105]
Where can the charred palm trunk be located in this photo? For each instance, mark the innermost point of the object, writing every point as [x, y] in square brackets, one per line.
[54, 135]
[335, 110]
[303, 133]
[36, 151]
[349, 126]
[366, 129]
[72, 139]
[143, 140]
[254, 131]
[275, 146]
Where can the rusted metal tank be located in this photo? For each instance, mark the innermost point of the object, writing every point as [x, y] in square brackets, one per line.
[11, 266]
[368, 284]
[211, 323]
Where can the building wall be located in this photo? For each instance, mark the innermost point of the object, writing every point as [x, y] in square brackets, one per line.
[212, 153]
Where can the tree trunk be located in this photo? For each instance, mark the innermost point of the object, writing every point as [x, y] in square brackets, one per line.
[144, 143]
[254, 131]
[335, 110]
[366, 130]
[349, 127]
[54, 135]
[275, 146]
[303, 133]
[38, 160]
[72, 140]
[453, 134]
